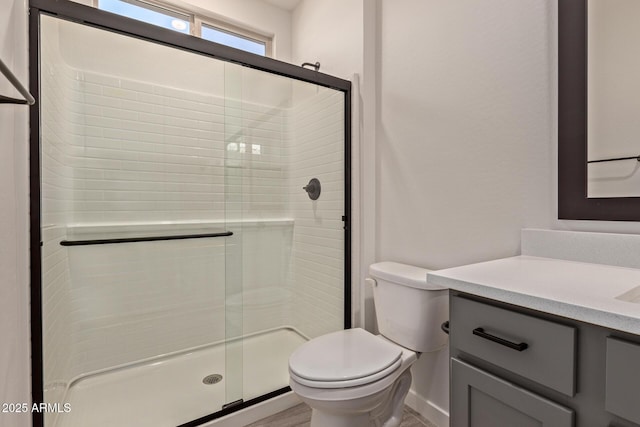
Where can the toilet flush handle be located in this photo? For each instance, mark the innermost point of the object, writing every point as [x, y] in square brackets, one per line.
[445, 327]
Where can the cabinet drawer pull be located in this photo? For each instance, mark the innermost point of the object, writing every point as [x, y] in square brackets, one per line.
[481, 333]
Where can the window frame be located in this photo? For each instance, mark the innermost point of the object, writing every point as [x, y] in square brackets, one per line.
[197, 20]
[235, 30]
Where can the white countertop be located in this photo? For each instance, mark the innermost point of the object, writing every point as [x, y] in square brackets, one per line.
[576, 290]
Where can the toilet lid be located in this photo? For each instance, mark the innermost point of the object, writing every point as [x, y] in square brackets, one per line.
[343, 356]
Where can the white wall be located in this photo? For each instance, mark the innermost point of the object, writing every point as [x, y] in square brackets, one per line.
[464, 142]
[467, 139]
[464, 138]
[331, 32]
[14, 281]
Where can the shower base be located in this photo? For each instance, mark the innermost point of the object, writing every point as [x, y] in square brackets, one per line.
[171, 391]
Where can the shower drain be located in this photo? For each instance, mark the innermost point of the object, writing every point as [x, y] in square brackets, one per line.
[212, 379]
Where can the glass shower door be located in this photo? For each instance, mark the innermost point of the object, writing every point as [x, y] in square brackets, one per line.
[234, 265]
[183, 260]
[142, 297]
[285, 262]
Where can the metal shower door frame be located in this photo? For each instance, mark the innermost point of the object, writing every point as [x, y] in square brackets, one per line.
[75, 12]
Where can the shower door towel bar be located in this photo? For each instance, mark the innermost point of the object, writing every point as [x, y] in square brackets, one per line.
[615, 159]
[16, 83]
[142, 239]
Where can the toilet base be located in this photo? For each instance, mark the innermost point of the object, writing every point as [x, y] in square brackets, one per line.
[381, 409]
[325, 419]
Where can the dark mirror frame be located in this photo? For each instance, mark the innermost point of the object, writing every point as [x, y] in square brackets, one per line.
[573, 202]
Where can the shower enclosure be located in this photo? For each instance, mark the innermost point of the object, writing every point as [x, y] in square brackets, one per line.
[177, 260]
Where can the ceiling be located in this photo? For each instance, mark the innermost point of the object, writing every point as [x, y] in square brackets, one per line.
[284, 4]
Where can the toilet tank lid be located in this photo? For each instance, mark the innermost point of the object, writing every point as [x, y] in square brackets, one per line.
[403, 274]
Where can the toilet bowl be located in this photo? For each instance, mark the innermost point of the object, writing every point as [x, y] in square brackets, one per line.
[357, 379]
[352, 378]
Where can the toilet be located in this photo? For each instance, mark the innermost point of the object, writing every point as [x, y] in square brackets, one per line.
[353, 378]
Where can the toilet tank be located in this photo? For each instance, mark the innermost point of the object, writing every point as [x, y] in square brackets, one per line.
[409, 310]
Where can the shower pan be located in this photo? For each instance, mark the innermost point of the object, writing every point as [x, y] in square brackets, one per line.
[177, 260]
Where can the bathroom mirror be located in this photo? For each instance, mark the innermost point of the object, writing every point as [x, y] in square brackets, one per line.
[598, 135]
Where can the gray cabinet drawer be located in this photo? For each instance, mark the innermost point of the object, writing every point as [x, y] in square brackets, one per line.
[479, 399]
[491, 333]
[623, 379]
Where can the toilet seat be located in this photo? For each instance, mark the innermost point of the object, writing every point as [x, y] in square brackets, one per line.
[343, 359]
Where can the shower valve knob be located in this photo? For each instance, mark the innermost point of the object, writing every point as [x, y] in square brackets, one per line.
[313, 189]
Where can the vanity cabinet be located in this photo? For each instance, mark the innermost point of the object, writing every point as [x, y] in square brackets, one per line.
[623, 379]
[480, 399]
[541, 350]
[513, 366]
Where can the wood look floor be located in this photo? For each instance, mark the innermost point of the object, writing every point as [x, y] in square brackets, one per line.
[300, 416]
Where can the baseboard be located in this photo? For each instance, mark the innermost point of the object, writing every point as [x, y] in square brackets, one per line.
[257, 412]
[427, 409]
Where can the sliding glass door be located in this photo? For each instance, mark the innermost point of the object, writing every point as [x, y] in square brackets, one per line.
[142, 277]
[193, 214]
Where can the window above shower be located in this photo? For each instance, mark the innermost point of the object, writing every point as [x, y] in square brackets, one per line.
[149, 13]
[186, 22]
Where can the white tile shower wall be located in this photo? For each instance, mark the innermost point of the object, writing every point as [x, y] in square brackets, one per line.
[256, 185]
[316, 145]
[259, 266]
[57, 175]
[142, 153]
[145, 153]
[136, 153]
[56, 316]
[139, 300]
[266, 297]
[156, 298]
[56, 204]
